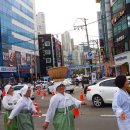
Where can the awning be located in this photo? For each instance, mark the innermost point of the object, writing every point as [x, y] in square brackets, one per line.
[119, 64]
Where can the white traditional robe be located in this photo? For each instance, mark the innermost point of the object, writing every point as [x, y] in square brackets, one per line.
[23, 104]
[60, 101]
[10, 101]
[121, 103]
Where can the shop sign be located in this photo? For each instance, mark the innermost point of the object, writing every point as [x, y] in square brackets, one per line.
[8, 69]
[112, 2]
[118, 16]
[121, 58]
[98, 1]
[120, 38]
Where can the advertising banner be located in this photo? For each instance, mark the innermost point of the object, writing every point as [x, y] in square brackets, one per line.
[18, 58]
[112, 2]
[28, 59]
[8, 69]
[12, 58]
[23, 58]
[5, 54]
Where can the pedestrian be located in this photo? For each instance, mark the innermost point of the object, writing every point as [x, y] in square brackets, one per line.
[23, 110]
[0, 97]
[61, 109]
[121, 103]
[9, 101]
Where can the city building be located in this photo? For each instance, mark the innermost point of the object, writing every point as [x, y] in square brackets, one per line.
[121, 38]
[68, 46]
[41, 25]
[106, 36]
[50, 53]
[77, 55]
[17, 38]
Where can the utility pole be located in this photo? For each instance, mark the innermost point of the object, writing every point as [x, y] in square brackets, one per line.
[99, 56]
[86, 30]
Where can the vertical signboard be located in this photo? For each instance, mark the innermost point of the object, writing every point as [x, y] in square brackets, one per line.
[12, 58]
[5, 57]
[28, 59]
[18, 58]
[23, 58]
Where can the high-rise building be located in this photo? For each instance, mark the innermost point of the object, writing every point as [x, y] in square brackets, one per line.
[121, 37]
[118, 15]
[50, 52]
[67, 44]
[41, 26]
[17, 37]
[66, 41]
[105, 35]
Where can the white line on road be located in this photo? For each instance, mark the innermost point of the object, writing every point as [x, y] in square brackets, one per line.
[107, 115]
[2, 112]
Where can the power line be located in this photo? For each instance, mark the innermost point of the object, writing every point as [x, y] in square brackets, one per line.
[59, 33]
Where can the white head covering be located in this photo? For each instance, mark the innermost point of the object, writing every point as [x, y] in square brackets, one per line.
[57, 84]
[24, 90]
[7, 87]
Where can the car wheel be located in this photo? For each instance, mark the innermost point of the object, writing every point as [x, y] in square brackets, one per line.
[97, 101]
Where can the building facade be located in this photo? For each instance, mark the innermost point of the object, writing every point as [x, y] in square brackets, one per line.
[17, 26]
[106, 36]
[41, 25]
[121, 37]
[50, 52]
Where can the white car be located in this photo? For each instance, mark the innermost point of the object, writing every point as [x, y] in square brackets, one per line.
[17, 90]
[68, 84]
[41, 84]
[101, 92]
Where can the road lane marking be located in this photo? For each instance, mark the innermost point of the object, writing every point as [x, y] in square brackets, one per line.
[2, 112]
[107, 115]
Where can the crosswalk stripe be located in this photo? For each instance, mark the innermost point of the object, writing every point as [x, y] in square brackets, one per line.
[107, 115]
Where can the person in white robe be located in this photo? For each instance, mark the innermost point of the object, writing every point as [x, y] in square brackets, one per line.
[9, 101]
[121, 103]
[23, 110]
[61, 109]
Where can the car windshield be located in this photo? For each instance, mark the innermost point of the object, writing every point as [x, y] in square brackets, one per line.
[18, 87]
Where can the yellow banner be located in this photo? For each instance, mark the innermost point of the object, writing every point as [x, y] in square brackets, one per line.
[98, 1]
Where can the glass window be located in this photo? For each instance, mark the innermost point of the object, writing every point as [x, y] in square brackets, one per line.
[47, 43]
[126, 46]
[127, 1]
[120, 26]
[48, 60]
[47, 52]
[107, 83]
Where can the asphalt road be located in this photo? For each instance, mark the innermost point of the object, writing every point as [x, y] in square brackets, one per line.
[90, 118]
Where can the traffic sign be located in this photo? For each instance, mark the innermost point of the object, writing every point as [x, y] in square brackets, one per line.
[89, 55]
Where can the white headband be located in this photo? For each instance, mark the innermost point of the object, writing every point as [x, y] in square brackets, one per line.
[7, 87]
[24, 90]
[57, 84]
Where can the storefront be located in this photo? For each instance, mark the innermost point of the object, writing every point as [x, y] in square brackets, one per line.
[7, 74]
[122, 63]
